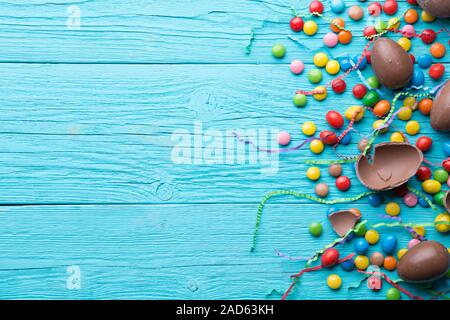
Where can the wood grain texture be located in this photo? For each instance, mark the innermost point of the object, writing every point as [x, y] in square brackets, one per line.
[87, 175]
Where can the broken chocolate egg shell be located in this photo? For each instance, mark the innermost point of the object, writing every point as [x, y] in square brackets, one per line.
[393, 164]
[343, 221]
[440, 111]
[447, 201]
[391, 64]
[437, 8]
[425, 262]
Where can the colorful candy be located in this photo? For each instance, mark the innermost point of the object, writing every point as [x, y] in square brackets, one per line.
[297, 24]
[361, 245]
[431, 186]
[412, 127]
[392, 209]
[361, 262]
[336, 120]
[316, 146]
[424, 61]
[322, 190]
[359, 91]
[343, 183]
[335, 170]
[329, 258]
[300, 100]
[279, 51]
[333, 67]
[313, 173]
[334, 281]
[393, 294]
[372, 237]
[309, 128]
[330, 40]
[284, 138]
[320, 59]
[356, 112]
[442, 223]
[310, 28]
[424, 173]
[440, 175]
[322, 93]
[315, 229]
[297, 66]
[388, 243]
[338, 85]
[315, 76]
[375, 200]
[348, 265]
[437, 71]
[410, 199]
[424, 143]
[377, 259]
[437, 50]
[356, 13]
[337, 6]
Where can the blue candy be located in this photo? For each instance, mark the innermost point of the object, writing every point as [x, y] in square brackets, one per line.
[418, 77]
[446, 147]
[345, 64]
[423, 203]
[375, 200]
[424, 61]
[337, 6]
[388, 243]
[363, 63]
[348, 265]
[361, 246]
[346, 139]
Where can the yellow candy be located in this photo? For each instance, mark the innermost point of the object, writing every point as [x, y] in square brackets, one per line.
[392, 209]
[309, 128]
[320, 59]
[316, 146]
[426, 17]
[350, 112]
[333, 67]
[334, 281]
[431, 186]
[320, 96]
[443, 228]
[401, 253]
[409, 102]
[313, 173]
[394, 23]
[405, 43]
[419, 230]
[362, 262]
[405, 114]
[372, 236]
[377, 124]
[397, 137]
[310, 28]
[412, 127]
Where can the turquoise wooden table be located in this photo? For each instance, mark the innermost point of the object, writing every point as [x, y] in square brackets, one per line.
[105, 192]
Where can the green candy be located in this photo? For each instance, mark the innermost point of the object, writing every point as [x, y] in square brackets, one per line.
[393, 294]
[300, 100]
[371, 98]
[315, 76]
[441, 175]
[439, 198]
[360, 229]
[380, 26]
[315, 229]
[279, 51]
[373, 82]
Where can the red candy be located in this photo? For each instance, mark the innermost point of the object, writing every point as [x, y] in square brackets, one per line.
[343, 183]
[335, 119]
[413, 59]
[359, 91]
[428, 36]
[338, 85]
[328, 137]
[446, 164]
[316, 7]
[437, 71]
[413, 2]
[369, 31]
[390, 7]
[369, 57]
[424, 143]
[329, 258]
[400, 191]
[375, 9]
[296, 24]
[424, 173]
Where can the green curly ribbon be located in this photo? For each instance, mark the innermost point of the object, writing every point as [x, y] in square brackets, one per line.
[298, 195]
[410, 225]
[326, 162]
[424, 197]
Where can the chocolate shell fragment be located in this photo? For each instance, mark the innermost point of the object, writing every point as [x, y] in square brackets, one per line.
[343, 221]
[440, 112]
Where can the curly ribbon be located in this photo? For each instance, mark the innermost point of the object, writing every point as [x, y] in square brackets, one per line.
[438, 294]
[358, 285]
[347, 130]
[410, 225]
[297, 195]
[334, 161]
[425, 198]
[410, 230]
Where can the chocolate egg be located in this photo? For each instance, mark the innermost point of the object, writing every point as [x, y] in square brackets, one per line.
[437, 8]
[391, 64]
[446, 201]
[440, 111]
[393, 164]
[343, 221]
[425, 262]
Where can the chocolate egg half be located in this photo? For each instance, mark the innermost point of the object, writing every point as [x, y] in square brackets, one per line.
[447, 201]
[393, 164]
[343, 221]
[425, 262]
[437, 8]
[391, 64]
[440, 112]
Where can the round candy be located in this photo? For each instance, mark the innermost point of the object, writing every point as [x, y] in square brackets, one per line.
[418, 77]
[369, 31]
[437, 50]
[320, 59]
[428, 36]
[310, 28]
[322, 190]
[316, 7]
[328, 137]
[426, 17]
[296, 24]
[411, 16]
[446, 165]
[284, 138]
[390, 7]
[409, 102]
[361, 246]
[362, 63]
[439, 198]
[334, 281]
[380, 26]
[378, 125]
[377, 259]
[437, 71]
[297, 66]
[315, 76]
[356, 13]
[373, 82]
[371, 98]
[300, 100]
[408, 31]
[431, 186]
[419, 230]
[320, 96]
[401, 190]
[330, 40]
[401, 253]
[392, 209]
[337, 6]
[315, 229]
[362, 144]
[356, 111]
[412, 127]
[309, 128]
[440, 175]
[372, 237]
[335, 170]
[390, 263]
[343, 183]
[405, 43]
[359, 91]
[382, 108]
[347, 139]
[313, 173]
[329, 258]
[316, 146]
[333, 67]
[423, 173]
[424, 143]
[348, 265]
[375, 9]
[446, 147]
[388, 243]
[279, 51]
[360, 229]
[375, 199]
[345, 63]
[413, 242]
[405, 113]
[338, 85]
[394, 23]
[393, 294]
[442, 223]
[361, 262]
[337, 24]
[410, 199]
[397, 137]
[345, 37]
[424, 61]
[423, 203]
[336, 120]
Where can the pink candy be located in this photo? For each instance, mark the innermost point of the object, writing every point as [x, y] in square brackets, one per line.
[408, 31]
[297, 66]
[330, 39]
[284, 138]
[413, 242]
[410, 199]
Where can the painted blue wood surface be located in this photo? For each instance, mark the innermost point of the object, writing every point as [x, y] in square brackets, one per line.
[86, 171]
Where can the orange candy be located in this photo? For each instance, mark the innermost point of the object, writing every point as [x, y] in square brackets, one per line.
[356, 212]
[345, 36]
[335, 23]
[390, 263]
[381, 108]
[425, 106]
[437, 50]
[411, 16]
